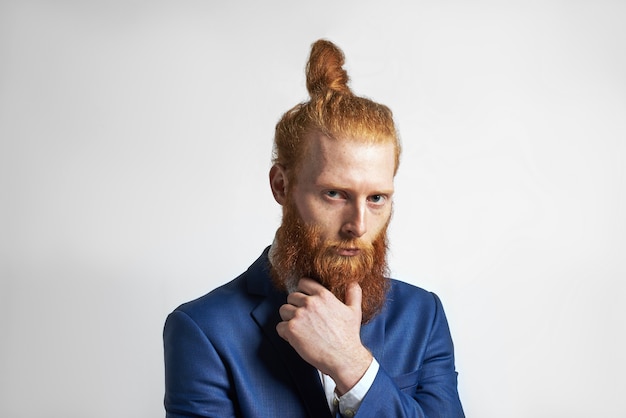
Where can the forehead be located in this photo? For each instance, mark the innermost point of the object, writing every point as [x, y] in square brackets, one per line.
[348, 162]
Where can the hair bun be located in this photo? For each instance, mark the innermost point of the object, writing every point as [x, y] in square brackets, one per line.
[324, 71]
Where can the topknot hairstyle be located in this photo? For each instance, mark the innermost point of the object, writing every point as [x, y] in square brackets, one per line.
[324, 71]
[333, 110]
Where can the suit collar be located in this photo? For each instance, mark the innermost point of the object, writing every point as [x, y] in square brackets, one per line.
[258, 276]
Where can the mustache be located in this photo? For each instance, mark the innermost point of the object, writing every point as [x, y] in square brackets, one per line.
[354, 243]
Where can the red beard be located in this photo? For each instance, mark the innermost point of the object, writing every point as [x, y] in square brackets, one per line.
[299, 251]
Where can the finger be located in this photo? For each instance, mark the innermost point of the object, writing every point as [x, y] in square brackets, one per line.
[309, 286]
[296, 298]
[281, 329]
[354, 296]
[287, 312]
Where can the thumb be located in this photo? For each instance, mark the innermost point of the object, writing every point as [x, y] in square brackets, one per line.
[354, 295]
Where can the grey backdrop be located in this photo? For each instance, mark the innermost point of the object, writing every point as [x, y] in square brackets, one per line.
[135, 140]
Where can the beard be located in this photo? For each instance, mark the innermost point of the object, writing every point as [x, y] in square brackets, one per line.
[300, 251]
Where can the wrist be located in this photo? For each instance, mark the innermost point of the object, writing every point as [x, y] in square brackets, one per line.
[350, 372]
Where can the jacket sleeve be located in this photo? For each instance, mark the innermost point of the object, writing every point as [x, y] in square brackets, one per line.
[192, 390]
[429, 392]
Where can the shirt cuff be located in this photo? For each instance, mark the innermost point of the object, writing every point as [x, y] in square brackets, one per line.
[350, 402]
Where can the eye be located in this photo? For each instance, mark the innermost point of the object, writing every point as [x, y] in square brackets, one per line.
[333, 194]
[378, 199]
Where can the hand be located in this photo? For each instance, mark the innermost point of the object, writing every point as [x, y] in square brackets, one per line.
[326, 332]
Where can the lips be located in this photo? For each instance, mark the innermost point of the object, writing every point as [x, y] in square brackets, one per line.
[348, 252]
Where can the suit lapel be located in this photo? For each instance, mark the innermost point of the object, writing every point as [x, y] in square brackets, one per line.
[304, 376]
[373, 336]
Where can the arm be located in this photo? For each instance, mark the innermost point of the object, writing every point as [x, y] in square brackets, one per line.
[325, 333]
[191, 390]
[430, 392]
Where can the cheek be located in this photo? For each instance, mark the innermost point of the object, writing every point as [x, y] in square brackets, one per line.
[325, 221]
[380, 224]
[312, 213]
[305, 209]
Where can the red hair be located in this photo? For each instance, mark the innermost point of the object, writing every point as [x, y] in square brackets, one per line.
[333, 110]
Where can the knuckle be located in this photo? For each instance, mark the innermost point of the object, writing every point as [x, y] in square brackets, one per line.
[291, 328]
[326, 295]
[311, 303]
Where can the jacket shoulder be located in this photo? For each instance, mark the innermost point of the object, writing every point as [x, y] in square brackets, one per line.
[243, 292]
[406, 294]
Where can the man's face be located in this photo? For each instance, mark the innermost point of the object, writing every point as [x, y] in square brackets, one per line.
[345, 188]
[335, 219]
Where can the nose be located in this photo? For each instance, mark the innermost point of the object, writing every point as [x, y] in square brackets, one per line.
[355, 225]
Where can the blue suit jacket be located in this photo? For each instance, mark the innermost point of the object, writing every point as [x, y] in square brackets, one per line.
[224, 358]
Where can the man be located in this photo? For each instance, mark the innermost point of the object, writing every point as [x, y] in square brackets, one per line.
[313, 328]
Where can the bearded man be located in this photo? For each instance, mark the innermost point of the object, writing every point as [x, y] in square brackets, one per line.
[314, 328]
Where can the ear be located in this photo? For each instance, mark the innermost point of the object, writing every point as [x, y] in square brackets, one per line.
[279, 183]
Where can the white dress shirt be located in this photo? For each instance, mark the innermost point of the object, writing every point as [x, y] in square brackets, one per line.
[350, 401]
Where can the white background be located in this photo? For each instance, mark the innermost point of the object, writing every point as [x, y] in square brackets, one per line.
[135, 141]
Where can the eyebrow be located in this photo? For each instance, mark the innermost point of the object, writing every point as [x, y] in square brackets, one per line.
[334, 186]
